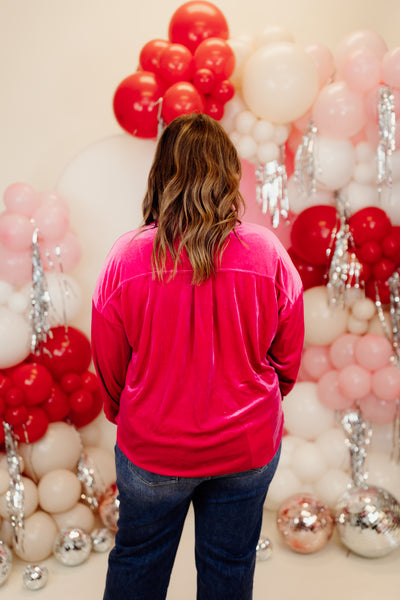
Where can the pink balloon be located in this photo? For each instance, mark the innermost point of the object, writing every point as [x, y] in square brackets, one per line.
[21, 198]
[329, 393]
[391, 67]
[373, 351]
[377, 410]
[354, 382]
[316, 361]
[15, 267]
[16, 231]
[53, 198]
[63, 255]
[324, 61]
[386, 383]
[339, 112]
[342, 350]
[52, 221]
[363, 38]
[361, 70]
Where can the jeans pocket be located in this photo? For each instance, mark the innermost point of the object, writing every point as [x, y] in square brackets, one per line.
[149, 478]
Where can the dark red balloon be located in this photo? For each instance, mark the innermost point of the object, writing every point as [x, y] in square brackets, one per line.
[311, 275]
[2, 407]
[89, 381]
[135, 104]
[383, 269]
[16, 415]
[370, 252]
[149, 58]
[223, 91]
[67, 351]
[80, 419]
[56, 406]
[34, 380]
[311, 234]
[370, 223]
[217, 56]
[34, 427]
[14, 396]
[194, 22]
[180, 99]
[5, 383]
[213, 108]
[391, 244]
[204, 81]
[70, 382]
[176, 64]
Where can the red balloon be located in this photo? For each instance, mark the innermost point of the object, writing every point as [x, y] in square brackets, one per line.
[391, 244]
[311, 234]
[5, 383]
[370, 223]
[135, 104]
[56, 406]
[81, 401]
[204, 81]
[194, 22]
[82, 418]
[2, 407]
[176, 64]
[16, 415]
[217, 56]
[34, 427]
[149, 58]
[67, 351]
[213, 108]
[223, 91]
[383, 290]
[383, 269]
[370, 252]
[180, 99]
[14, 397]
[70, 382]
[311, 275]
[34, 380]
[89, 381]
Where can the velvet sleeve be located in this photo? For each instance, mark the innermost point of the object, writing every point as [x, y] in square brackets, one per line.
[111, 354]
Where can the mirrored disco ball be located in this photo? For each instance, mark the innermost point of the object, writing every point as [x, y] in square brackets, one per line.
[368, 521]
[72, 546]
[35, 577]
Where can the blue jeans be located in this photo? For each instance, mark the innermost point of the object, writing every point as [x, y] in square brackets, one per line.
[228, 515]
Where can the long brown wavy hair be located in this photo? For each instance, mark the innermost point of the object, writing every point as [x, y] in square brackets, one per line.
[193, 194]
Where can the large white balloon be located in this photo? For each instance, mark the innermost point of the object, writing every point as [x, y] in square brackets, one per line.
[360, 195]
[332, 485]
[299, 200]
[305, 416]
[39, 535]
[308, 463]
[280, 82]
[15, 338]
[284, 484]
[323, 323]
[335, 161]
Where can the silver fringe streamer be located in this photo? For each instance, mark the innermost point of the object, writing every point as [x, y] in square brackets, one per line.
[40, 299]
[15, 495]
[160, 120]
[345, 269]
[305, 164]
[386, 146]
[92, 489]
[395, 454]
[394, 285]
[358, 436]
[271, 189]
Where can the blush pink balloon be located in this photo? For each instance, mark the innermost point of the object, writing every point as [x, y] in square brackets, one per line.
[16, 231]
[15, 267]
[386, 383]
[339, 112]
[53, 198]
[354, 382]
[373, 351]
[361, 70]
[63, 255]
[378, 411]
[324, 61]
[342, 350]
[363, 38]
[316, 361]
[52, 221]
[21, 198]
[329, 393]
[391, 67]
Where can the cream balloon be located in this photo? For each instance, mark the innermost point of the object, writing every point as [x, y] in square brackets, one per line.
[4, 480]
[79, 515]
[289, 445]
[284, 484]
[299, 200]
[6, 532]
[90, 434]
[335, 162]
[323, 324]
[359, 195]
[65, 298]
[308, 462]
[31, 499]
[103, 463]
[375, 325]
[280, 82]
[356, 326]
[383, 473]
[39, 536]
[331, 486]
[15, 338]
[59, 448]
[272, 35]
[390, 202]
[59, 491]
[332, 445]
[242, 49]
[305, 416]
[231, 110]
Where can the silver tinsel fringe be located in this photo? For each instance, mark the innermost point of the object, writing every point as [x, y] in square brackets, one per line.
[387, 127]
[358, 436]
[40, 299]
[15, 495]
[305, 161]
[271, 189]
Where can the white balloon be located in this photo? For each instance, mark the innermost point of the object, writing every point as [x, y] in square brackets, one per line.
[246, 147]
[363, 309]
[103, 463]
[331, 486]
[357, 326]
[305, 416]
[90, 434]
[284, 484]
[383, 472]
[65, 298]
[15, 338]
[289, 445]
[273, 34]
[79, 515]
[335, 161]
[268, 151]
[242, 49]
[323, 323]
[6, 532]
[6, 290]
[365, 152]
[39, 535]
[299, 200]
[375, 325]
[308, 462]
[364, 173]
[281, 134]
[4, 480]
[231, 109]
[396, 165]
[31, 499]
[332, 445]
[382, 438]
[263, 131]
[359, 196]
[18, 302]
[59, 491]
[390, 202]
[245, 122]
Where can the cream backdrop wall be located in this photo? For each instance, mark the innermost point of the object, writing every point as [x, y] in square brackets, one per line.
[60, 64]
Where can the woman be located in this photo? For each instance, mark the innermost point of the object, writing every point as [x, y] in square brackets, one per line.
[197, 332]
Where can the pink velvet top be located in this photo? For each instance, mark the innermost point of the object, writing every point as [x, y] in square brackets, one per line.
[194, 375]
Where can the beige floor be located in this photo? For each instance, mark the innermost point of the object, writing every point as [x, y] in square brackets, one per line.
[331, 574]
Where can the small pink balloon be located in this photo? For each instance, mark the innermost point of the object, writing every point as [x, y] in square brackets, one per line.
[376, 410]
[16, 231]
[339, 112]
[386, 383]
[63, 255]
[363, 38]
[354, 382]
[324, 61]
[342, 350]
[15, 267]
[53, 198]
[316, 361]
[361, 70]
[329, 393]
[52, 221]
[373, 351]
[391, 67]
[21, 198]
